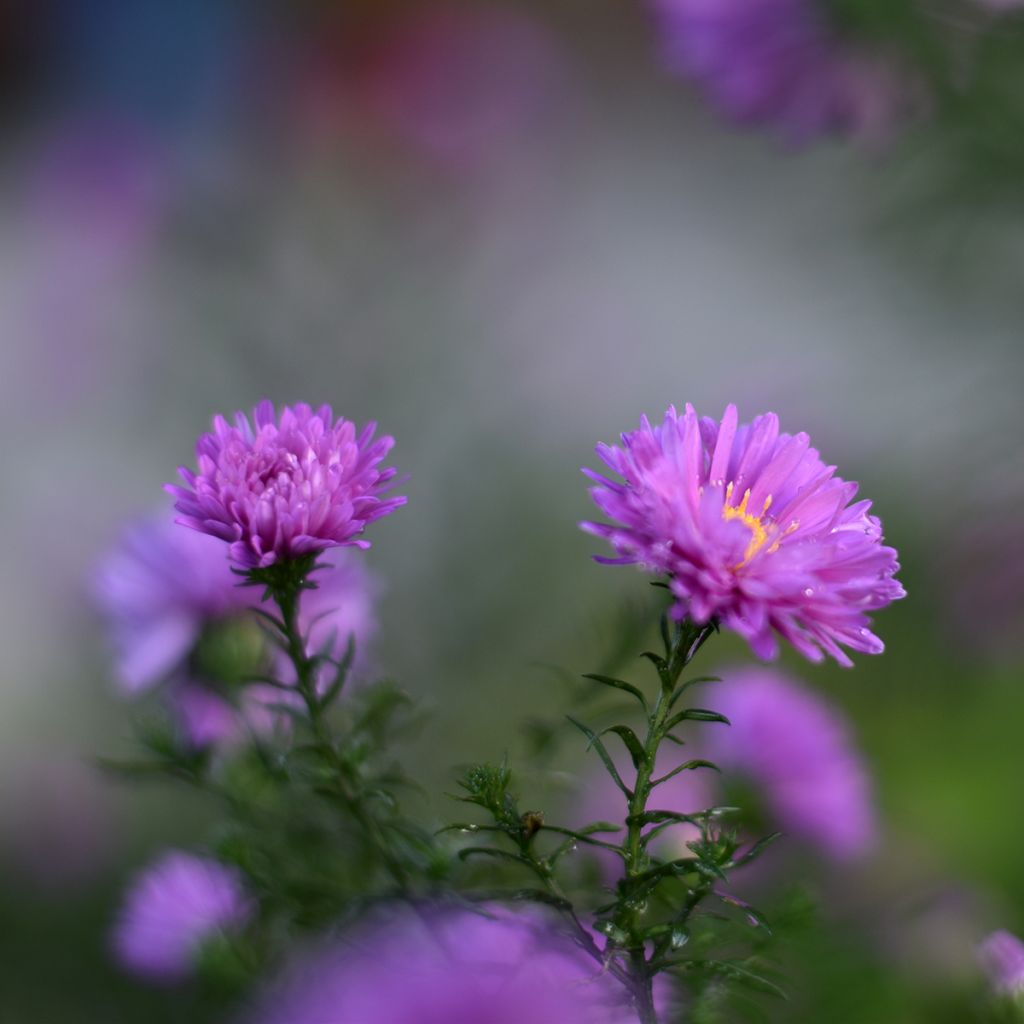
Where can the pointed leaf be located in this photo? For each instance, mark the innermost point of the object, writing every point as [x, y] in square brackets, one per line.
[756, 850]
[632, 742]
[696, 715]
[602, 752]
[618, 684]
[686, 766]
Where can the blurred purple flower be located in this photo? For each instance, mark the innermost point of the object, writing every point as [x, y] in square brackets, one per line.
[797, 751]
[787, 744]
[781, 62]
[1001, 956]
[752, 529]
[293, 485]
[461, 968]
[158, 588]
[161, 586]
[173, 908]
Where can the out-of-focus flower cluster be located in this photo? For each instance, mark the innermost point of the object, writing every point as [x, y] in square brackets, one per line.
[780, 63]
[455, 967]
[180, 619]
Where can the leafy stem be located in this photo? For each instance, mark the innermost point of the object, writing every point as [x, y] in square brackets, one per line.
[285, 583]
[682, 641]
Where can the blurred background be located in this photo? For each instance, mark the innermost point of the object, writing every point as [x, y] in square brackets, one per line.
[504, 230]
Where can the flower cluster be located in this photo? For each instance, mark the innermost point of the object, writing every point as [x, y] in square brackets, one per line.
[1002, 959]
[752, 529]
[458, 967]
[797, 751]
[779, 62]
[286, 486]
[164, 590]
[174, 908]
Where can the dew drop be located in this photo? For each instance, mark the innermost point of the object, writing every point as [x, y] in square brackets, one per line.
[808, 591]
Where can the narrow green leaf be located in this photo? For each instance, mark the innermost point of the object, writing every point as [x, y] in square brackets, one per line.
[618, 684]
[756, 850]
[602, 752]
[468, 827]
[657, 817]
[686, 766]
[490, 851]
[684, 686]
[632, 742]
[583, 837]
[656, 660]
[696, 715]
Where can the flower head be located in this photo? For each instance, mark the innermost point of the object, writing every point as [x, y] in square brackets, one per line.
[465, 968]
[780, 62]
[752, 529]
[796, 750]
[172, 909]
[286, 485]
[1002, 958]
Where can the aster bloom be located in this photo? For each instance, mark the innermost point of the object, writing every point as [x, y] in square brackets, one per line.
[461, 968]
[286, 485]
[796, 750]
[753, 530]
[780, 62]
[176, 905]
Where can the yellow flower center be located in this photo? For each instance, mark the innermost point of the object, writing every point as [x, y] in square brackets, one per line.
[759, 530]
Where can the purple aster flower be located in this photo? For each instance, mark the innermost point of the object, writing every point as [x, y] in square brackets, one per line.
[158, 588]
[291, 485]
[161, 588]
[797, 752]
[1001, 956]
[752, 529]
[173, 908]
[781, 62]
[460, 968]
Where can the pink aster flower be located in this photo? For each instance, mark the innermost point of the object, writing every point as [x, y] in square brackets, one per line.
[752, 529]
[781, 62]
[173, 908]
[464, 968]
[286, 485]
[1001, 956]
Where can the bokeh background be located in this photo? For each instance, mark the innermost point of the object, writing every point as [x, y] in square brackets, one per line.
[504, 230]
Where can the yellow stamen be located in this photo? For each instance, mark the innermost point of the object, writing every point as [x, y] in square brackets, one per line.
[759, 530]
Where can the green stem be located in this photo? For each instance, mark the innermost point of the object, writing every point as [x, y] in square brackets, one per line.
[286, 594]
[684, 643]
